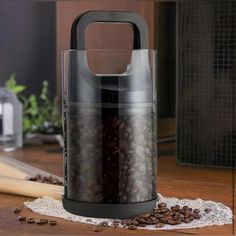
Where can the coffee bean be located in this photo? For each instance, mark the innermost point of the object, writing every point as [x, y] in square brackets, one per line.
[164, 220]
[45, 179]
[16, 210]
[103, 223]
[124, 222]
[38, 176]
[160, 225]
[116, 221]
[196, 211]
[141, 220]
[207, 210]
[134, 222]
[97, 228]
[41, 221]
[191, 218]
[132, 227]
[179, 221]
[21, 218]
[30, 220]
[146, 215]
[164, 210]
[187, 214]
[52, 222]
[157, 211]
[171, 222]
[173, 208]
[167, 213]
[196, 216]
[115, 225]
[187, 220]
[161, 216]
[177, 207]
[142, 225]
[162, 204]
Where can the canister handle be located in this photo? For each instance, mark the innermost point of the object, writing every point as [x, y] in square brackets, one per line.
[81, 22]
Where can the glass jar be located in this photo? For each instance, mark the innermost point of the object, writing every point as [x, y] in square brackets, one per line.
[10, 121]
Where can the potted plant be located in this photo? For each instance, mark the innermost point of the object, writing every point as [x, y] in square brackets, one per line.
[40, 116]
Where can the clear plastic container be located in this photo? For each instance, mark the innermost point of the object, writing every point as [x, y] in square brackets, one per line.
[10, 121]
[110, 128]
[109, 99]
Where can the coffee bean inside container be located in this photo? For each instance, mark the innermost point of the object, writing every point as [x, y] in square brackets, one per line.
[111, 154]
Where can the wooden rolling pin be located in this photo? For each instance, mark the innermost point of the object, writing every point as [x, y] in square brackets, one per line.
[29, 188]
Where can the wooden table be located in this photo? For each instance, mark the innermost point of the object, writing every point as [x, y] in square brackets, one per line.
[173, 180]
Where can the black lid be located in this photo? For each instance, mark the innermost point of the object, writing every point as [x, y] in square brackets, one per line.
[134, 85]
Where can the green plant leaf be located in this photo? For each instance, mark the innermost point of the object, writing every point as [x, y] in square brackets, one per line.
[36, 110]
[11, 82]
[12, 86]
[18, 89]
[33, 105]
[44, 92]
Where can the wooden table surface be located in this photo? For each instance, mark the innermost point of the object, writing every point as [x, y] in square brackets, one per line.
[173, 180]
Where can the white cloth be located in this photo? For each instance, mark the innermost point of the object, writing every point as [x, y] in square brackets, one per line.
[219, 215]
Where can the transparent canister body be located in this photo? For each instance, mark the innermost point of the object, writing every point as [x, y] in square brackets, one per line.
[10, 121]
[110, 125]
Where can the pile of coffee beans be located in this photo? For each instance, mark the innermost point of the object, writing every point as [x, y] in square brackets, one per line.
[31, 220]
[111, 157]
[159, 217]
[46, 179]
[164, 215]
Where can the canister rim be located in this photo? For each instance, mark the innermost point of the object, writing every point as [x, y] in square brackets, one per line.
[107, 50]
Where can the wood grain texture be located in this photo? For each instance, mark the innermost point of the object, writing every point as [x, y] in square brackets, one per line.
[173, 180]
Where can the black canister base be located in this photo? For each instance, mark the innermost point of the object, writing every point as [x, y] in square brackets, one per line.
[113, 211]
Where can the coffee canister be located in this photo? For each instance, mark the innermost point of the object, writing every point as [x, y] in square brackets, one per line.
[110, 157]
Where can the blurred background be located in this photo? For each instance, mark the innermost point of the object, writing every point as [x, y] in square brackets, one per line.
[195, 41]
[33, 34]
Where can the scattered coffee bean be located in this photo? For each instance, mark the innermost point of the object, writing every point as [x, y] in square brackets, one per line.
[162, 204]
[207, 210]
[160, 225]
[158, 217]
[115, 225]
[41, 221]
[116, 221]
[163, 215]
[21, 218]
[142, 225]
[30, 220]
[196, 211]
[52, 222]
[196, 216]
[103, 223]
[97, 228]
[16, 210]
[46, 179]
[132, 227]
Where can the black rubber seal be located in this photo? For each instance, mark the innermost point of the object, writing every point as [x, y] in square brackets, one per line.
[113, 211]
